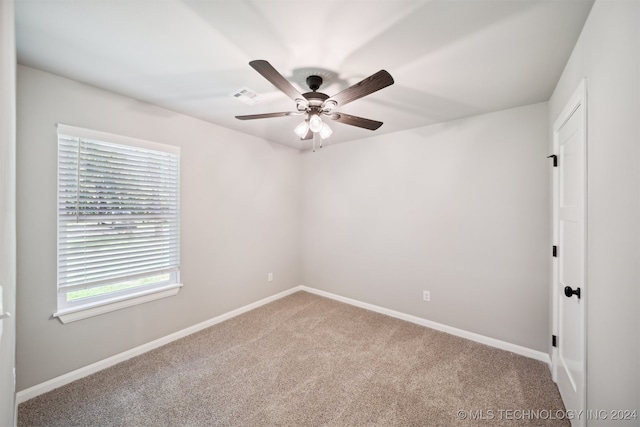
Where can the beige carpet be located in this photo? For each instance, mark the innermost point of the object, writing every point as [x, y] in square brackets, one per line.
[305, 360]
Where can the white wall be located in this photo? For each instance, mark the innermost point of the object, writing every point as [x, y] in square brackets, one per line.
[240, 220]
[460, 209]
[608, 55]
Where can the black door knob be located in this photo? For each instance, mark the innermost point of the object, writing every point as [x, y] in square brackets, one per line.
[568, 292]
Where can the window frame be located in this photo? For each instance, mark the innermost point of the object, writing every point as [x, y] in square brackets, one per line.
[96, 305]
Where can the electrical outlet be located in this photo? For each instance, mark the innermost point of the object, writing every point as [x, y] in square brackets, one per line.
[426, 296]
[270, 277]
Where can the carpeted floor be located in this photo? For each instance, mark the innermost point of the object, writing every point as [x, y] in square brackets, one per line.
[305, 360]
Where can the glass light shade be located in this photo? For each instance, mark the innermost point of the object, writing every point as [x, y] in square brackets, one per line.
[315, 123]
[302, 129]
[326, 131]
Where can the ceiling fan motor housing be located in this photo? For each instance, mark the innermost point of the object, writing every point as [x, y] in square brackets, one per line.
[314, 98]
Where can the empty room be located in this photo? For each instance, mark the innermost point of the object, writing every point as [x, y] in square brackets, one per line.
[336, 213]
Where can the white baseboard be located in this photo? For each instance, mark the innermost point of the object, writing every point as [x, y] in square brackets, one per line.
[503, 345]
[31, 392]
[38, 389]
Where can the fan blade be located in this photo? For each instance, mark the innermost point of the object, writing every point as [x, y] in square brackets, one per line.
[269, 115]
[360, 122]
[276, 79]
[371, 84]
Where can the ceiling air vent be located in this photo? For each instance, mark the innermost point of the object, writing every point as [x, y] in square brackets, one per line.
[247, 96]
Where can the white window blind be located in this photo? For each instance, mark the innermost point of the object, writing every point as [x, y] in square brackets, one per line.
[118, 215]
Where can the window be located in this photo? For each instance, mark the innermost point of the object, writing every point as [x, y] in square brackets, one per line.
[118, 222]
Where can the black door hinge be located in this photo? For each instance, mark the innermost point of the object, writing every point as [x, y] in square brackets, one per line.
[555, 160]
[555, 252]
[554, 340]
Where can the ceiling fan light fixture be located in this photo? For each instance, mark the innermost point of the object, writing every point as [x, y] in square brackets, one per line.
[325, 131]
[315, 123]
[302, 129]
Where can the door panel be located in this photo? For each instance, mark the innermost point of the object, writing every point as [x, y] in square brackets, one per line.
[570, 237]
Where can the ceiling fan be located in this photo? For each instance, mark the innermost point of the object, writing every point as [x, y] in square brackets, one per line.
[315, 104]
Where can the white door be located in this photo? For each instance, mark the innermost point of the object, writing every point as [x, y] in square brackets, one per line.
[7, 213]
[569, 288]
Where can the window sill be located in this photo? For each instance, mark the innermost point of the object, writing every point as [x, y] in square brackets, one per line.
[73, 314]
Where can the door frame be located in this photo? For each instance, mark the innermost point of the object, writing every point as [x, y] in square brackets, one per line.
[8, 412]
[577, 99]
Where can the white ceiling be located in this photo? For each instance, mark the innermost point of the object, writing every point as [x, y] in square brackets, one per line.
[449, 58]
